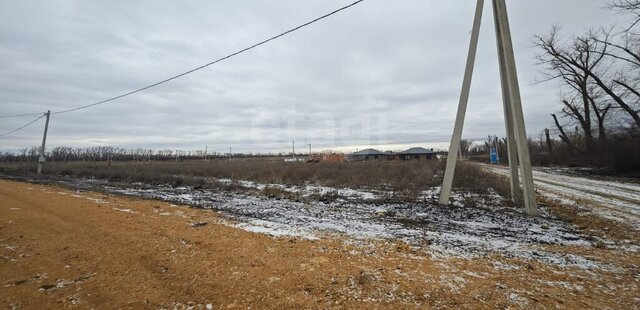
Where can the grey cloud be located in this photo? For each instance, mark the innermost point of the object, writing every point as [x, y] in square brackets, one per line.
[383, 72]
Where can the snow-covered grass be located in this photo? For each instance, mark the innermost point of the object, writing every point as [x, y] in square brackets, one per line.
[309, 190]
[442, 231]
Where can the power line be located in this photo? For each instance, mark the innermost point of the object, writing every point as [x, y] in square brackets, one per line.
[23, 126]
[197, 68]
[20, 115]
[181, 74]
[205, 65]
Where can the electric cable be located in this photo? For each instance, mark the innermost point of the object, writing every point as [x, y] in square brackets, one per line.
[23, 126]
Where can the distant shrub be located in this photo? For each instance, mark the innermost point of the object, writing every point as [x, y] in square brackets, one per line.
[473, 178]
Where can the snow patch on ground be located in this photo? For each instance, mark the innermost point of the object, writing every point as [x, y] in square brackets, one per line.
[275, 229]
[448, 231]
[310, 190]
[124, 210]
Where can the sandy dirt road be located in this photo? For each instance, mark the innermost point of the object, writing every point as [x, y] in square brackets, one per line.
[66, 249]
[608, 198]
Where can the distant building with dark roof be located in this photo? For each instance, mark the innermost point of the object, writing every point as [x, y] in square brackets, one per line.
[368, 154]
[416, 153]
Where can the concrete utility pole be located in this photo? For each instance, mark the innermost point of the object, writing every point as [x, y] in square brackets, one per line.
[512, 101]
[512, 151]
[230, 153]
[41, 159]
[293, 145]
[454, 147]
[524, 158]
[309, 150]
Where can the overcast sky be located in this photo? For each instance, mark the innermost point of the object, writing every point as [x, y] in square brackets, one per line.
[384, 73]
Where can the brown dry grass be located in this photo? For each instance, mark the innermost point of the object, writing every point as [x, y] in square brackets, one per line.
[357, 174]
[404, 179]
[591, 224]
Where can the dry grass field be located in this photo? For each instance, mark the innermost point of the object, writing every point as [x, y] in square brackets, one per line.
[406, 178]
[269, 234]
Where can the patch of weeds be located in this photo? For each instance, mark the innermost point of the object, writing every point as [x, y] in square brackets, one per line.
[330, 196]
[475, 179]
[470, 202]
[178, 181]
[198, 183]
[273, 192]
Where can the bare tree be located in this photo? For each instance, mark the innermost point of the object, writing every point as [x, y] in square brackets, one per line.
[601, 108]
[574, 63]
[33, 153]
[564, 136]
[23, 153]
[630, 7]
[580, 63]
[624, 47]
[465, 146]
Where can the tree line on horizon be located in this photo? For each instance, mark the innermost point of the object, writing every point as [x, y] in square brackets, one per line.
[110, 153]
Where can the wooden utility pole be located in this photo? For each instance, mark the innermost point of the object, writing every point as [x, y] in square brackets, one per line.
[496, 143]
[42, 159]
[516, 134]
[549, 144]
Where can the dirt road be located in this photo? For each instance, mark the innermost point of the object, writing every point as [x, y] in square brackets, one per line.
[610, 199]
[66, 249]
